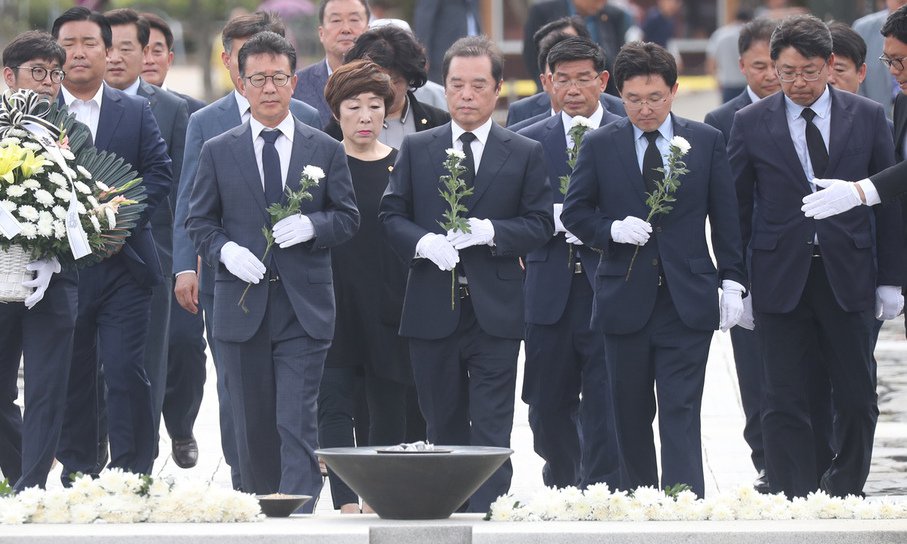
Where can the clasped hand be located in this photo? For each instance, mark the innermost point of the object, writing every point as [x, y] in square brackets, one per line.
[559, 226]
[481, 233]
[293, 230]
[242, 263]
[632, 230]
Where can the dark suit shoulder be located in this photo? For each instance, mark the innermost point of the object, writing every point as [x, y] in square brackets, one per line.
[194, 104]
[516, 127]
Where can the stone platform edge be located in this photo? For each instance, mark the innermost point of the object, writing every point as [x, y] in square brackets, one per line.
[466, 529]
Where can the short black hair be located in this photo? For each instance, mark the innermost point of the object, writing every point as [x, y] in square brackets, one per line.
[324, 4]
[81, 13]
[127, 16]
[845, 42]
[807, 34]
[896, 24]
[247, 25]
[759, 30]
[394, 49]
[32, 45]
[576, 48]
[545, 46]
[644, 59]
[155, 21]
[475, 46]
[267, 43]
[558, 25]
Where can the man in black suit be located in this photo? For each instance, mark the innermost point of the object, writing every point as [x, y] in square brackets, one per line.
[114, 295]
[124, 68]
[186, 357]
[464, 348]
[41, 329]
[657, 321]
[565, 357]
[607, 27]
[815, 282]
[761, 81]
[439, 23]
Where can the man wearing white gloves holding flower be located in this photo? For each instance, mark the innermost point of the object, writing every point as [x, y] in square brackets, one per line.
[272, 346]
[565, 355]
[659, 317]
[815, 282]
[464, 351]
[42, 328]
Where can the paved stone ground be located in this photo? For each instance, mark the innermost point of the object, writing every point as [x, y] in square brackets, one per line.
[726, 456]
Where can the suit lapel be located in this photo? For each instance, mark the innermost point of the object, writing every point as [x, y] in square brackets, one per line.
[441, 141]
[900, 124]
[775, 121]
[626, 150]
[555, 145]
[841, 121]
[302, 151]
[244, 156]
[495, 154]
[147, 90]
[111, 112]
[229, 113]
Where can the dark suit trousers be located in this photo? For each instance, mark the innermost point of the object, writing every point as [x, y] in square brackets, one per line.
[666, 358]
[157, 346]
[845, 342]
[467, 385]
[111, 328]
[44, 335]
[273, 379]
[575, 438]
[185, 371]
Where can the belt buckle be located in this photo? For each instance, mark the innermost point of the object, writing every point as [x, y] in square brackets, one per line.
[578, 267]
[273, 278]
[464, 291]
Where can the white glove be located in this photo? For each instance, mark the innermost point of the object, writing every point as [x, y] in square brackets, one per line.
[572, 239]
[44, 270]
[556, 212]
[836, 197]
[632, 230]
[747, 320]
[731, 304]
[889, 302]
[438, 250]
[241, 263]
[481, 234]
[293, 230]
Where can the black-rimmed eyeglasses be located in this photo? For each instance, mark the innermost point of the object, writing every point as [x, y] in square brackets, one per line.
[279, 79]
[897, 62]
[39, 73]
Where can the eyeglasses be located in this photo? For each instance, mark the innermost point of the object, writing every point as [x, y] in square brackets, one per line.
[39, 73]
[655, 103]
[897, 62]
[579, 83]
[279, 79]
[810, 74]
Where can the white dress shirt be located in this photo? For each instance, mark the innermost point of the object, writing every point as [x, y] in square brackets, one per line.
[133, 90]
[245, 113]
[797, 126]
[595, 118]
[665, 133]
[753, 96]
[88, 111]
[283, 144]
[477, 145]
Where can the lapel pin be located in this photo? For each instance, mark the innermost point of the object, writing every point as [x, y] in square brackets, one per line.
[424, 121]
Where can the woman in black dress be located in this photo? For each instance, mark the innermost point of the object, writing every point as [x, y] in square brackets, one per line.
[369, 279]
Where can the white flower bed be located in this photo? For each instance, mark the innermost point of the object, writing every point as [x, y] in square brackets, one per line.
[599, 503]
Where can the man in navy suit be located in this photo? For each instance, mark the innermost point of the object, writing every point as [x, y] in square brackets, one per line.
[564, 355]
[224, 114]
[658, 320]
[761, 81]
[815, 281]
[124, 67]
[272, 348]
[159, 59]
[464, 345]
[342, 21]
[439, 23]
[114, 295]
[40, 329]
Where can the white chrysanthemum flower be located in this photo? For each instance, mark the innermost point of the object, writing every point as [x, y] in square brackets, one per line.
[30, 183]
[95, 223]
[504, 508]
[67, 154]
[83, 512]
[8, 205]
[111, 217]
[122, 508]
[15, 191]
[82, 188]
[58, 179]
[648, 495]
[80, 208]
[62, 194]
[59, 229]
[455, 154]
[29, 213]
[34, 146]
[56, 506]
[102, 186]
[116, 480]
[45, 230]
[680, 143]
[579, 120]
[85, 173]
[313, 172]
[9, 141]
[721, 512]
[59, 212]
[44, 198]
[12, 512]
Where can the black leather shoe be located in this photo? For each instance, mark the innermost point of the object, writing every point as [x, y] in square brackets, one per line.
[761, 483]
[185, 452]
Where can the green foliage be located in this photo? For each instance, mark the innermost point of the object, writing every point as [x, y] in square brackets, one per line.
[453, 191]
[5, 489]
[672, 491]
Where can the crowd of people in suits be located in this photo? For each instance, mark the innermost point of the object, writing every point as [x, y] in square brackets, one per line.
[368, 322]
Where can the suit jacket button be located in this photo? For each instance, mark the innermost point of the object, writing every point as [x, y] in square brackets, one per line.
[654, 262]
[657, 229]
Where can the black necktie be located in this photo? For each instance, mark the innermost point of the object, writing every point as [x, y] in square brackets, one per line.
[470, 161]
[270, 164]
[650, 161]
[818, 154]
